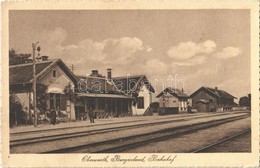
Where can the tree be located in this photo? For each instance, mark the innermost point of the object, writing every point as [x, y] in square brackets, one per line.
[69, 94]
[70, 97]
[15, 58]
[16, 113]
[41, 97]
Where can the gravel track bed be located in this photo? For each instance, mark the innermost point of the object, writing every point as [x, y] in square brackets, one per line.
[196, 140]
[239, 144]
[58, 144]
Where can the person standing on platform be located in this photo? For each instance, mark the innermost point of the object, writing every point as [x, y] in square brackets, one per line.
[91, 115]
[53, 117]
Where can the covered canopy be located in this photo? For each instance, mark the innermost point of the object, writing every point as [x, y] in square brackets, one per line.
[103, 95]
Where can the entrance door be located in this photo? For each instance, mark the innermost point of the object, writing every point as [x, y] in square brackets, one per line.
[202, 107]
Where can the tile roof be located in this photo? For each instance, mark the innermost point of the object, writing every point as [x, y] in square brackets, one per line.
[132, 83]
[219, 93]
[118, 85]
[175, 92]
[96, 85]
[214, 92]
[23, 73]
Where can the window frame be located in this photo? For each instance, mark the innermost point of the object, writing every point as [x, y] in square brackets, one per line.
[54, 73]
[140, 102]
[57, 101]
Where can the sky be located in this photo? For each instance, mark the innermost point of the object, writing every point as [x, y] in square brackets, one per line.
[192, 47]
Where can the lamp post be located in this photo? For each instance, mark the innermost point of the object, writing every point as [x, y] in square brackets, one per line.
[34, 47]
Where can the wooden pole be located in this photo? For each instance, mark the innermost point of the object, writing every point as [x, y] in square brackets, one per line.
[34, 85]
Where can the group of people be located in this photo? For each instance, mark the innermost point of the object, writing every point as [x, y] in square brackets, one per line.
[53, 116]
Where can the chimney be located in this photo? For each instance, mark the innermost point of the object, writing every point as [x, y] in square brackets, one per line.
[216, 89]
[109, 73]
[94, 73]
[45, 58]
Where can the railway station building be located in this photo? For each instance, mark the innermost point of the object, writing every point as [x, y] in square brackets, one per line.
[107, 96]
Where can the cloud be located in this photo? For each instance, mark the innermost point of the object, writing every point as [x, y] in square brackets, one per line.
[51, 41]
[84, 50]
[189, 62]
[155, 67]
[123, 49]
[186, 50]
[148, 48]
[228, 52]
[109, 50]
[88, 53]
[58, 35]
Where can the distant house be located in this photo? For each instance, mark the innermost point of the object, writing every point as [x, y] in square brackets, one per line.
[173, 101]
[53, 74]
[207, 99]
[245, 101]
[113, 97]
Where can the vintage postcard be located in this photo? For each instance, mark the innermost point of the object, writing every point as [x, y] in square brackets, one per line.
[130, 84]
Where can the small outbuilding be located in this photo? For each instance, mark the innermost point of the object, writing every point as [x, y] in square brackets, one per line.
[173, 101]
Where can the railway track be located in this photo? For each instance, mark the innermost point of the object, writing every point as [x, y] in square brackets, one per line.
[120, 144]
[66, 135]
[116, 123]
[216, 144]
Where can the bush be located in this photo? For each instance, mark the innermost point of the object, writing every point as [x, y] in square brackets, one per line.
[16, 113]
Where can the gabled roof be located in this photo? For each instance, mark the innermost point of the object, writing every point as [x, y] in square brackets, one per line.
[23, 73]
[132, 83]
[175, 92]
[100, 85]
[214, 92]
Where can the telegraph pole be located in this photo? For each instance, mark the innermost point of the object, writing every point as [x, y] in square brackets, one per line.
[34, 45]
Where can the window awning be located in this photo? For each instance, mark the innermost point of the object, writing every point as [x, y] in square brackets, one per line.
[54, 90]
[103, 95]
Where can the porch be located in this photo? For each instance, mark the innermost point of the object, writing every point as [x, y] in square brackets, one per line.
[104, 105]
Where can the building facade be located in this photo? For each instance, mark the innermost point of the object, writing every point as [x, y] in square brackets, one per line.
[207, 99]
[173, 101]
[113, 97]
[139, 88]
[53, 76]
[107, 96]
[100, 94]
